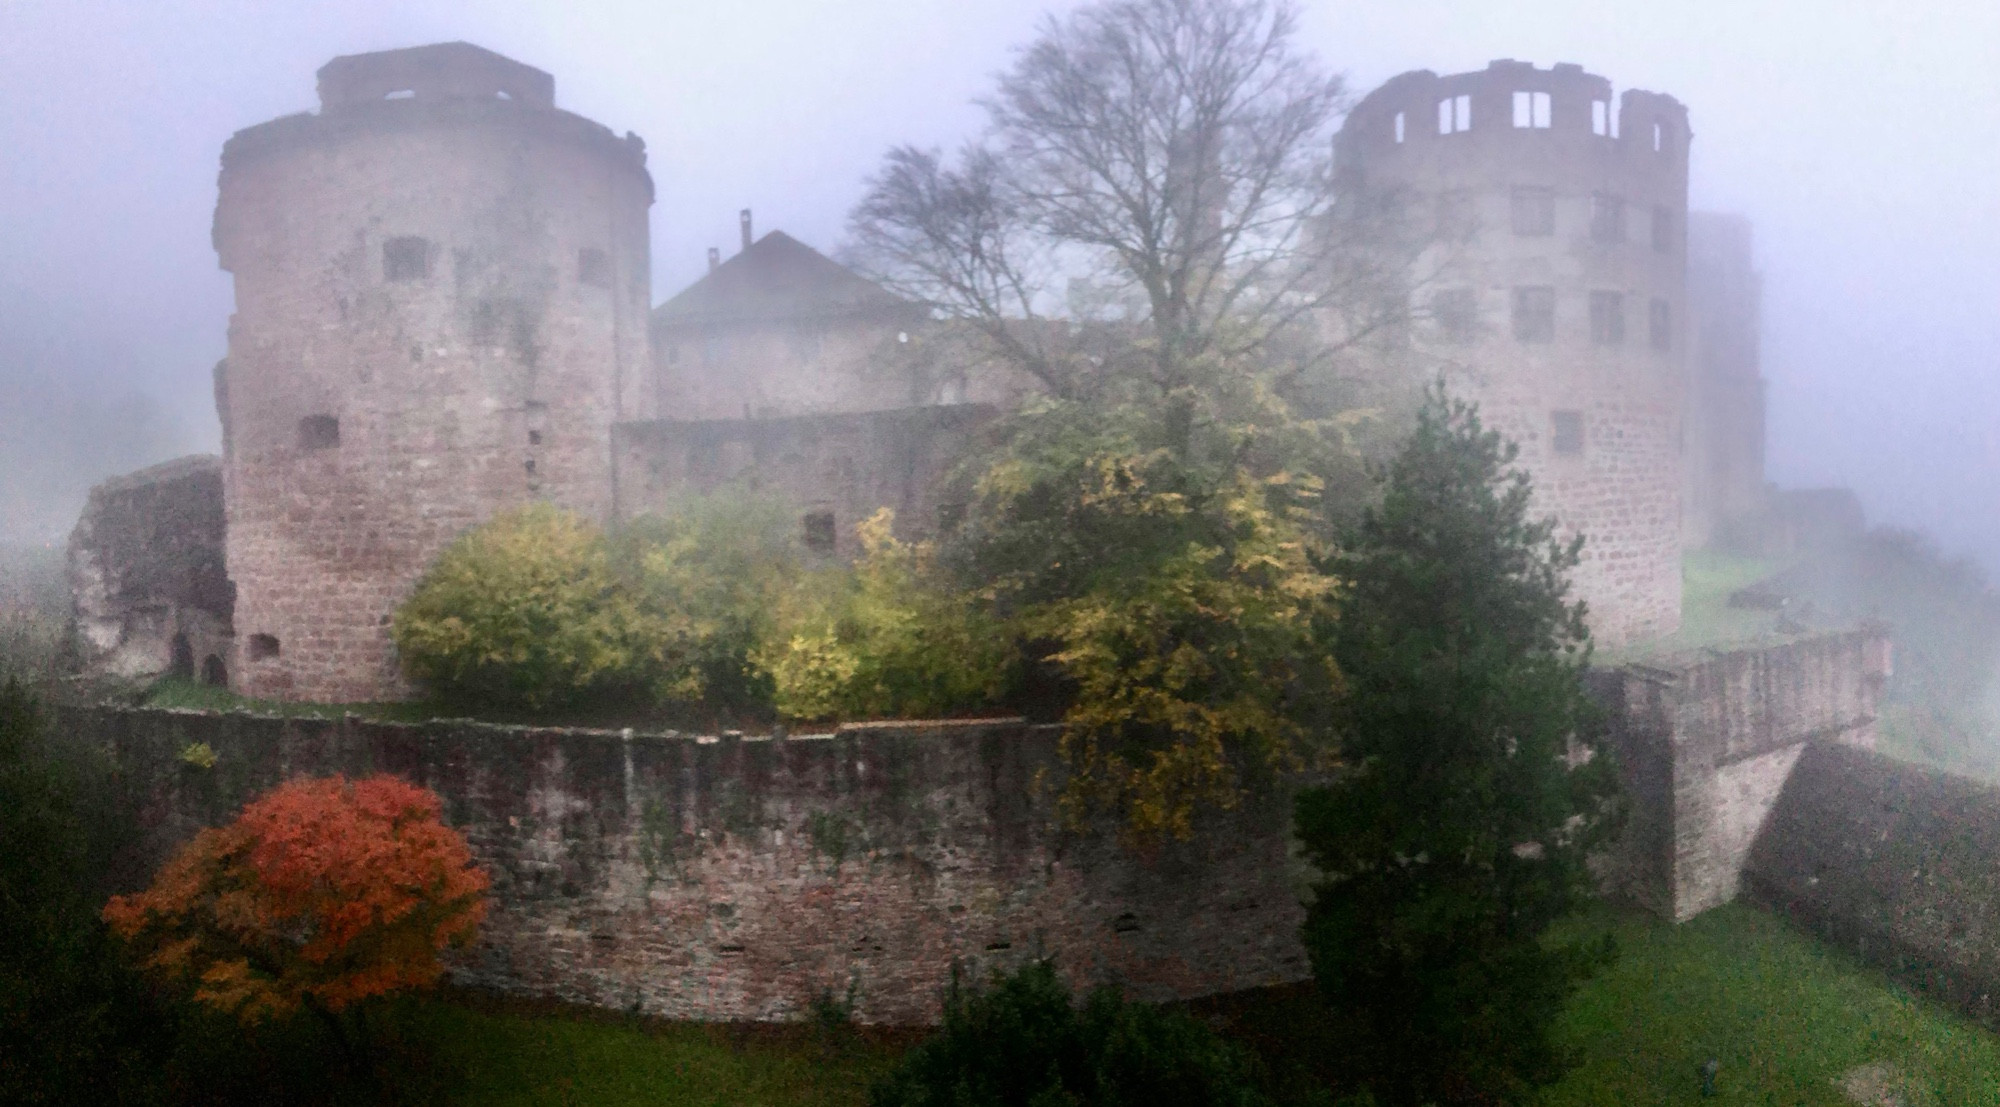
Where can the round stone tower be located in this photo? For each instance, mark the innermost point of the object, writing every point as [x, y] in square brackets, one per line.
[441, 306]
[1554, 294]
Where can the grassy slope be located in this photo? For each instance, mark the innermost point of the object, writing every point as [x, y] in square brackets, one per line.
[1785, 1016]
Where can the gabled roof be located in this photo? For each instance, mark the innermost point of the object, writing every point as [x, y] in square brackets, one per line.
[775, 278]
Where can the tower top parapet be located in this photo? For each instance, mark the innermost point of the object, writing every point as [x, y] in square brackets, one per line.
[443, 84]
[1512, 101]
[440, 71]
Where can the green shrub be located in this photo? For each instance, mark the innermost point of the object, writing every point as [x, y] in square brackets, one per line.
[1024, 1042]
[888, 636]
[75, 1024]
[524, 611]
[707, 579]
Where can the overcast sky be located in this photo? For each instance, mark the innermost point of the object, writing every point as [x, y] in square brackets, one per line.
[1862, 139]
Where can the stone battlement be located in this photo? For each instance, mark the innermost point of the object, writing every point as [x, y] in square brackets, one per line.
[1512, 103]
[445, 70]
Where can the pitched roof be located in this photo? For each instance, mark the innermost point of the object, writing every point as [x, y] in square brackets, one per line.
[777, 277]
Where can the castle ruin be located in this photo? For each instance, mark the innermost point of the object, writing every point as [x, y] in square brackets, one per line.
[442, 312]
[442, 290]
[441, 309]
[1558, 299]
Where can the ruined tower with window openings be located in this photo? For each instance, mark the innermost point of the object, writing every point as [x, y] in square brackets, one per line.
[442, 301]
[442, 292]
[1553, 294]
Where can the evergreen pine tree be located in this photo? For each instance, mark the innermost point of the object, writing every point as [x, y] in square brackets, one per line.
[1475, 786]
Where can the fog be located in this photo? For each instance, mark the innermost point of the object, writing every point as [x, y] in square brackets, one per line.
[1862, 139]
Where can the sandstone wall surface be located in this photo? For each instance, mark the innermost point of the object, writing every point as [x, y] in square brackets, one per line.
[1896, 862]
[440, 310]
[740, 878]
[1708, 741]
[1554, 293]
[844, 466]
[146, 576]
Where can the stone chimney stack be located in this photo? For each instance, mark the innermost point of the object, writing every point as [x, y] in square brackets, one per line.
[743, 218]
[714, 259]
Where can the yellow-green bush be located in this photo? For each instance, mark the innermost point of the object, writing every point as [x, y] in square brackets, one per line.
[888, 636]
[524, 611]
[707, 579]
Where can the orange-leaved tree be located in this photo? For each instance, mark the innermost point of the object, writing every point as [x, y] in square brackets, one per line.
[322, 893]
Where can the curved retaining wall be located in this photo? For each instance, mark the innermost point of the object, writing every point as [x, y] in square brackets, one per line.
[739, 878]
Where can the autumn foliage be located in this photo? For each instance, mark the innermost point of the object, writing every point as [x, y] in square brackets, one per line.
[324, 892]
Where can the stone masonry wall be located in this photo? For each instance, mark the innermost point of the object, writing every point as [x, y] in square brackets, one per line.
[1537, 183]
[1898, 863]
[1708, 741]
[440, 310]
[740, 878]
[145, 566]
[844, 465]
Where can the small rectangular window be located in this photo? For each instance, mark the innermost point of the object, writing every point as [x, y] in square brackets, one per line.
[1607, 318]
[1535, 314]
[593, 267]
[1660, 322]
[319, 432]
[1600, 117]
[1659, 135]
[1399, 126]
[1454, 114]
[1456, 312]
[1568, 427]
[1534, 211]
[1663, 229]
[263, 647]
[1607, 218]
[1531, 109]
[819, 532]
[407, 258]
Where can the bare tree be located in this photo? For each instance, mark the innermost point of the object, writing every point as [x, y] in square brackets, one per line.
[1155, 191]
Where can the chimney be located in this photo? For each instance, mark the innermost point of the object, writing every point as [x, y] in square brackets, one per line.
[714, 259]
[743, 217]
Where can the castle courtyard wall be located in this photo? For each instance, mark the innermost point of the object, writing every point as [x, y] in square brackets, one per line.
[739, 878]
[841, 466]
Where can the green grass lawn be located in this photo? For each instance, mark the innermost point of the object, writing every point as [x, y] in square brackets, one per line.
[1786, 1017]
[460, 1049]
[506, 1057]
